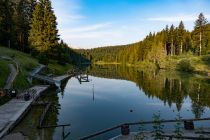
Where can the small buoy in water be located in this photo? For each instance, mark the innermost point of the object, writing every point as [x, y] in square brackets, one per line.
[131, 110]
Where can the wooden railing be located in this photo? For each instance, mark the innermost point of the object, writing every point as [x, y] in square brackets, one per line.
[126, 126]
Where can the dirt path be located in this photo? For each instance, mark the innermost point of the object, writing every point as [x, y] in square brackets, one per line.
[11, 77]
[13, 72]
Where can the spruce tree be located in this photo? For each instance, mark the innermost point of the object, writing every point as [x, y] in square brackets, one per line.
[36, 33]
[181, 35]
[171, 39]
[6, 22]
[50, 32]
[200, 28]
[43, 34]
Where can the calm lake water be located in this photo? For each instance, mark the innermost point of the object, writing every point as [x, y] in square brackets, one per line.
[117, 94]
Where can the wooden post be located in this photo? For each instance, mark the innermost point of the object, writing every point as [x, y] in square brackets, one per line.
[125, 129]
[200, 43]
[189, 125]
[63, 135]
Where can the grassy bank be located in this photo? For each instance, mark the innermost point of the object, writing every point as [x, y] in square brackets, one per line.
[57, 69]
[189, 63]
[4, 72]
[186, 63]
[26, 63]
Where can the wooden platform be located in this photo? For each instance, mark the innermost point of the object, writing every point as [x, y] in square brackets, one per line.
[14, 110]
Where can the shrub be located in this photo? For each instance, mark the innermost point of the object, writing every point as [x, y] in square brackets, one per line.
[185, 65]
[43, 59]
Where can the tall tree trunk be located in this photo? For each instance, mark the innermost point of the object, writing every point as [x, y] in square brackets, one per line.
[181, 47]
[172, 47]
[180, 86]
[9, 44]
[200, 44]
[165, 49]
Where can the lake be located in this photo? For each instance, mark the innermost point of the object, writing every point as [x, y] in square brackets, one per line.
[107, 95]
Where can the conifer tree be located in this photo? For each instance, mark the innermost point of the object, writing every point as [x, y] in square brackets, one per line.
[43, 34]
[6, 11]
[200, 27]
[181, 35]
[50, 32]
[171, 38]
[36, 33]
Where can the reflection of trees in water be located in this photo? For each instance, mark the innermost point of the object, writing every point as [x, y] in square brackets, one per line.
[170, 87]
[28, 126]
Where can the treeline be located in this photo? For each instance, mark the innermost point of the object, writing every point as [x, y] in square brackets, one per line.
[30, 26]
[156, 46]
[170, 87]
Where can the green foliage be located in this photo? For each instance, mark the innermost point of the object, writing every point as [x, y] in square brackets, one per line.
[57, 69]
[4, 99]
[15, 23]
[26, 64]
[4, 72]
[21, 82]
[178, 126]
[43, 34]
[157, 127]
[43, 59]
[6, 22]
[185, 66]
[173, 41]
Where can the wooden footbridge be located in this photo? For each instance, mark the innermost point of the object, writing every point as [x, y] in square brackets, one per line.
[47, 79]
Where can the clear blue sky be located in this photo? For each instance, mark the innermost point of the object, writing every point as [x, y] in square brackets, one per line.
[95, 23]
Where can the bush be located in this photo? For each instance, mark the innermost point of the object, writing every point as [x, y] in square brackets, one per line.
[185, 65]
[43, 59]
[206, 59]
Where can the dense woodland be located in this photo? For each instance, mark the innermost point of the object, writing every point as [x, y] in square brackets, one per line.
[156, 46]
[30, 26]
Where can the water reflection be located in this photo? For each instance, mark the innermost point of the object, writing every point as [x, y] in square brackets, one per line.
[28, 126]
[169, 86]
[104, 96]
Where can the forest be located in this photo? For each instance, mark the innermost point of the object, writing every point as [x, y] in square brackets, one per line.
[155, 47]
[30, 26]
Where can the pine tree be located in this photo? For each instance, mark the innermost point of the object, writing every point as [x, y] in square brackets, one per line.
[22, 18]
[199, 26]
[50, 32]
[171, 39]
[6, 22]
[36, 33]
[181, 31]
[43, 34]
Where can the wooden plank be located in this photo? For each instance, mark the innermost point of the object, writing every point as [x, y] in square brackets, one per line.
[167, 121]
[44, 114]
[50, 126]
[138, 123]
[186, 137]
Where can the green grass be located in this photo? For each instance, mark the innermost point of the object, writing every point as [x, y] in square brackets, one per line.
[26, 63]
[200, 64]
[4, 72]
[57, 69]
[4, 99]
